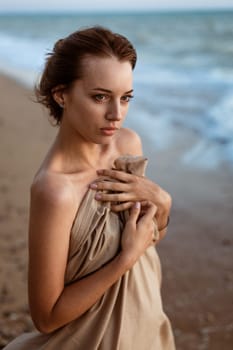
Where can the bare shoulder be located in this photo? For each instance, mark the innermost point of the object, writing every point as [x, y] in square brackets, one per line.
[129, 142]
[52, 189]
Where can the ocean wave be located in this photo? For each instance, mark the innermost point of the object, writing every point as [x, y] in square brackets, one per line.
[22, 52]
[183, 79]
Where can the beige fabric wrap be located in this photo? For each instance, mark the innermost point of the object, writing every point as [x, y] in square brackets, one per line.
[129, 316]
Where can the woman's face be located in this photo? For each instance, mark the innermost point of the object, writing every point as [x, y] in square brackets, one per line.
[96, 105]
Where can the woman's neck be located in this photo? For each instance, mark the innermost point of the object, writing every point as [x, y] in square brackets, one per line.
[70, 154]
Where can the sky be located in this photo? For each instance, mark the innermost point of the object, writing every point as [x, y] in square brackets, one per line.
[108, 5]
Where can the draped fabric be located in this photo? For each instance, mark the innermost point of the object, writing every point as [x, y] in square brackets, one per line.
[129, 316]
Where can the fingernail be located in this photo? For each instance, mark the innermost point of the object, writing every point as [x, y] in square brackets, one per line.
[137, 205]
[98, 196]
[93, 186]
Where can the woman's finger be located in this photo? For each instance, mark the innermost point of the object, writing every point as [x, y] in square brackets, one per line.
[114, 197]
[109, 186]
[149, 212]
[121, 206]
[134, 213]
[115, 174]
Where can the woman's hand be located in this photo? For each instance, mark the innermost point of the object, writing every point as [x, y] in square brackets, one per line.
[124, 189]
[138, 233]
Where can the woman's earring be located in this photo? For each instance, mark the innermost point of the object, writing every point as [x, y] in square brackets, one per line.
[61, 105]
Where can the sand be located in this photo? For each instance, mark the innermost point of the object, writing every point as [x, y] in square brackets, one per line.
[196, 253]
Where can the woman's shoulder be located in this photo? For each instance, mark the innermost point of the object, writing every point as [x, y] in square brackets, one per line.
[52, 188]
[129, 142]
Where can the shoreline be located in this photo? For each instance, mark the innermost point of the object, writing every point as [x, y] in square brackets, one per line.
[196, 254]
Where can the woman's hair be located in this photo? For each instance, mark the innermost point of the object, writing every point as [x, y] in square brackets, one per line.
[64, 63]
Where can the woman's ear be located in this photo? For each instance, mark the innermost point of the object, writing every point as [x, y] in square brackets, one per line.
[58, 95]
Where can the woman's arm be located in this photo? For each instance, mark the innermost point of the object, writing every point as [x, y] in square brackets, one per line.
[52, 304]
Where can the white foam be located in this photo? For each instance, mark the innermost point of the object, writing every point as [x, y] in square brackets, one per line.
[222, 113]
[24, 53]
[158, 131]
[151, 74]
[204, 154]
[222, 75]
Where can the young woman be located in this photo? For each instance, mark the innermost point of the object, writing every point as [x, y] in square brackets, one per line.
[94, 274]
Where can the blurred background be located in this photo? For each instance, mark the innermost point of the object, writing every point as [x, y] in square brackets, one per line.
[183, 110]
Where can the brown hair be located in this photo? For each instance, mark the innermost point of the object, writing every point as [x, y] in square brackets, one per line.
[64, 63]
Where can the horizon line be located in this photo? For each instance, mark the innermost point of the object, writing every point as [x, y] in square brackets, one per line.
[116, 11]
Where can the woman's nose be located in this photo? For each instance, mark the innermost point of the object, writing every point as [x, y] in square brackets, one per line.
[114, 112]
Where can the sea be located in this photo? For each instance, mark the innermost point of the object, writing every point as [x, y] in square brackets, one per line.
[183, 80]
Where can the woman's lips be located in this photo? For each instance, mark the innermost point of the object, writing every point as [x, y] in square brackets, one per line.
[108, 131]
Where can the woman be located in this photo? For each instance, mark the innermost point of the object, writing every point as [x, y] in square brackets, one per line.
[94, 276]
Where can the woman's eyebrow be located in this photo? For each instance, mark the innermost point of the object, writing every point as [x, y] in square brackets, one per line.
[109, 91]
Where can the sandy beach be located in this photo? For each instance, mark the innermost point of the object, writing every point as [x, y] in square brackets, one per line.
[196, 254]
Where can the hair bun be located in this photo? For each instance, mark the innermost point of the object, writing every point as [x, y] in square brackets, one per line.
[58, 45]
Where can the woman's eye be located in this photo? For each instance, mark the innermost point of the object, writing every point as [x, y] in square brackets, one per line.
[100, 98]
[126, 98]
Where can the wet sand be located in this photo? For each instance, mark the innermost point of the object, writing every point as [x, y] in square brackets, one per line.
[196, 254]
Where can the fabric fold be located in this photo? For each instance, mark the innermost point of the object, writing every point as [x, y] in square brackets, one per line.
[129, 315]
